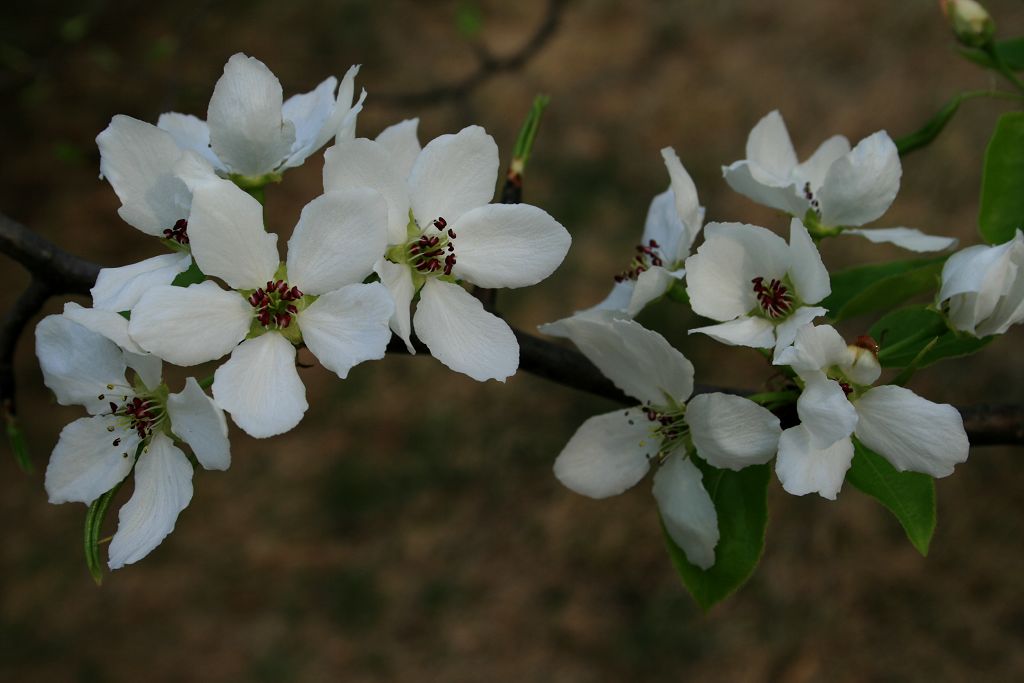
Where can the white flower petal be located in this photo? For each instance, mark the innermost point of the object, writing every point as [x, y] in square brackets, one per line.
[137, 159]
[398, 279]
[825, 411]
[907, 238]
[342, 123]
[769, 146]
[190, 133]
[190, 325]
[77, 363]
[339, 237]
[787, 330]
[119, 289]
[663, 226]
[227, 237]
[365, 163]
[163, 488]
[912, 432]
[731, 432]
[347, 121]
[196, 420]
[148, 367]
[508, 245]
[686, 510]
[348, 326]
[85, 463]
[402, 144]
[651, 284]
[639, 361]
[462, 335]
[860, 186]
[618, 299]
[247, 130]
[109, 324]
[804, 469]
[747, 179]
[564, 328]
[749, 331]
[309, 112]
[608, 454]
[806, 269]
[260, 387]
[815, 347]
[816, 167]
[688, 208]
[453, 174]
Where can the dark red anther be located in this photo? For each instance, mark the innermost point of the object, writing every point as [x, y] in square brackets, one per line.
[774, 297]
[451, 233]
[292, 309]
[654, 244]
[847, 389]
[867, 342]
[440, 223]
[113, 407]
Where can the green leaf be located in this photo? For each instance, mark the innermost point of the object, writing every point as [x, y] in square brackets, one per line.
[910, 496]
[904, 334]
[850, 284]
[93, 523]
[16, 439]
[1002, 181]
[1011, 52]
[883, 287]
[741, 501]
[924, 135]
[192, 276]
[528, 133]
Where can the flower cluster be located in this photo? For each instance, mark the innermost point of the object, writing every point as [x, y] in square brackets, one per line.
[397, 228]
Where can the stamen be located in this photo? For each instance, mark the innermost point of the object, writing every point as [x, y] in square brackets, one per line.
[273, 303]
[647, 256]
[773, 297]
[433, 253]
[179, 233]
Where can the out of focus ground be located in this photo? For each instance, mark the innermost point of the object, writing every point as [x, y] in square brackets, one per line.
[410, 528]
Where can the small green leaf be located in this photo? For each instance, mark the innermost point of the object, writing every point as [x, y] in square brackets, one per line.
[1002, 181]
[1011, 52]
[924, 135]
[887, 292]
[904, 334]
[528, 133]
[910, 496]
[16, 439]
[741, 501]
[93, 523]
[850, 284]
[192, 276]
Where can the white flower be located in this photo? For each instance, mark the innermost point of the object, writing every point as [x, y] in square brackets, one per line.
[317, 298]
[839, 188]
[444, 231]
[748, 278]
[612, 452]
[674, 220]
[83, 365]
[983, 287]
[837, 400]
[252, 131]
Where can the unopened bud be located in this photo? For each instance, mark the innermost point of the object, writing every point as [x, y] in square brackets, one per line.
[972, 25]
[865, 367]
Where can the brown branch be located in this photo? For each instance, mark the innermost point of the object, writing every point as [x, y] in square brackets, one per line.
[56, 272]
[488, 66]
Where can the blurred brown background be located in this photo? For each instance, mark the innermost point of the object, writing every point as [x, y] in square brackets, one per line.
[410, 528]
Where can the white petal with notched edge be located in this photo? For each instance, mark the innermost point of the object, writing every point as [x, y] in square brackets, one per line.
[190, 325]
[197, 421]
[508, 245]
[908, 238]
[77, 363]
[247, 130]
[163, 488]
[688, 208]
[260, 387]
[85, 463]
[398, 279]
[912, 432]
[453, 174]
[732, 432]
[638, 361]
[119, 289]
[348, 326]
[806, 270]
[365, 163]
[227, 237]
[825, 411]
[109, 324]
[190, 133]
[804, 469]
[339, 237]
[402, 144]
[860, 186]
[757, 333]
[686, 510]
[137, 159]
[608, 454]
[462, 335]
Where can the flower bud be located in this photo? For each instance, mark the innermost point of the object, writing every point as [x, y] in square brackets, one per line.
[972, 25]
[983, 287]
[865, 367]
